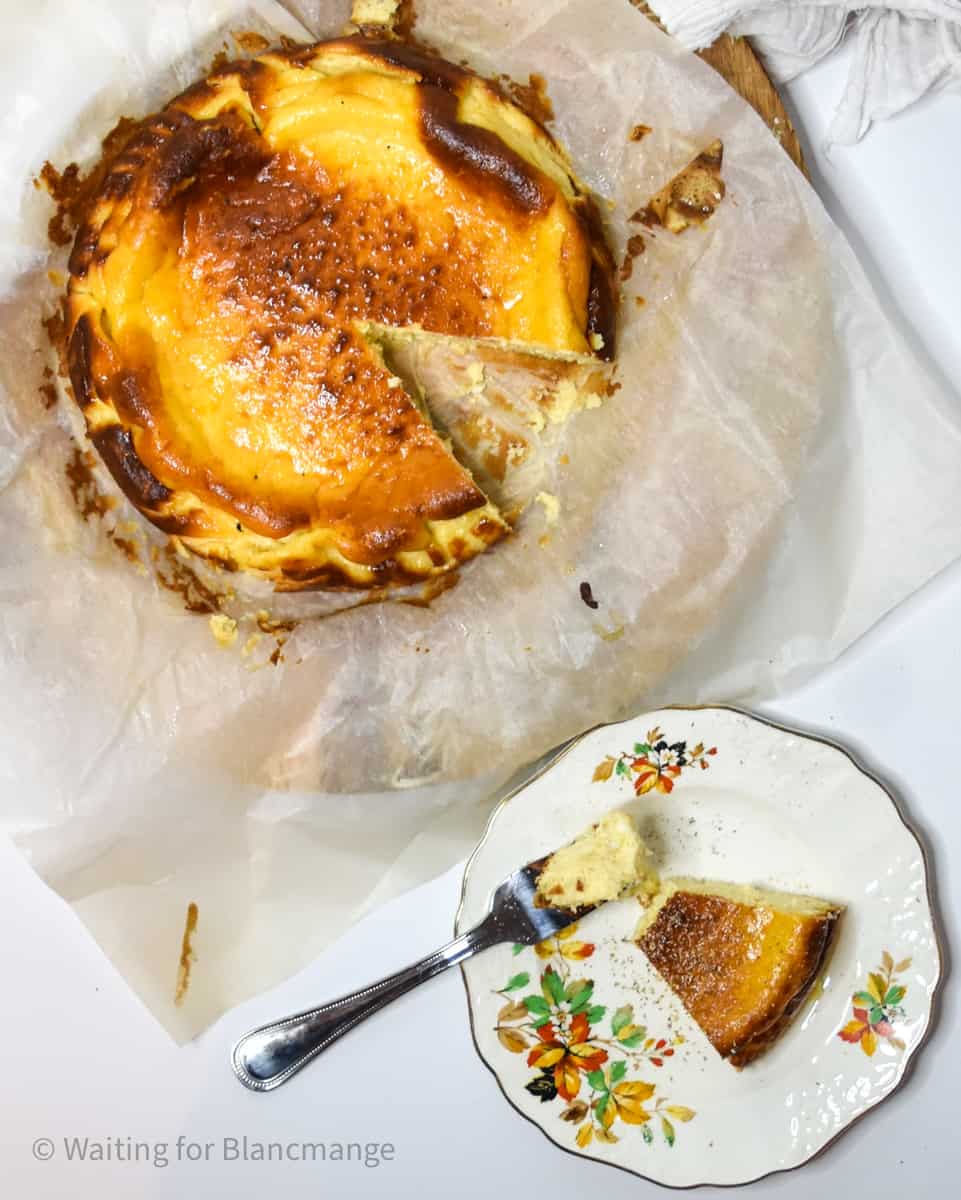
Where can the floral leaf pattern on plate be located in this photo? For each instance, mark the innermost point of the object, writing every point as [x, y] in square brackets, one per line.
[654, 764]
[877, 1008]
[583, 1057]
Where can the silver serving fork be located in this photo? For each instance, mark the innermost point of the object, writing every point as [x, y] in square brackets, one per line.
[268, 1056]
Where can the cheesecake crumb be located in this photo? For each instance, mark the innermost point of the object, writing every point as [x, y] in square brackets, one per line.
[224, 629]
[373, 12]
[476, 377]
[551, 506]
[564, 401]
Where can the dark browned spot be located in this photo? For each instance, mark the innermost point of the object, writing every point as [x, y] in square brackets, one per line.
[405, 19]
[487, 530]
[61, 187]
[117, 184]
[639, 132]
[268, 624]
[588, 596]
[635, 246]
[602, 309]
[306, 576]
[72, 191]
[602, 296]
[476, 153]
[531, 97]
[645, 216]
[225, 145]
[87, 496]
[250, 41]
[126, 547]
[480, 155]
[178, 524]
[175, 576]
[79, 361]
[55, 327]
[433, 70]
[138, 484]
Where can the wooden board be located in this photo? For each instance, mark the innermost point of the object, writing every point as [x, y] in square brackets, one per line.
[734, 59]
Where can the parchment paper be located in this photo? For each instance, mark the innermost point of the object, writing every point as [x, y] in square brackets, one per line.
[773, 475]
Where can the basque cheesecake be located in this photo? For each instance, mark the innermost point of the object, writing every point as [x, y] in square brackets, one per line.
[740, 959]
[244, 242]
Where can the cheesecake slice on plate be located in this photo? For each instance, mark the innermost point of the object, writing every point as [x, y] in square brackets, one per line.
[740, 959]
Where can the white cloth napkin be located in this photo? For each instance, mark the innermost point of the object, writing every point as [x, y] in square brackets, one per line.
[902, 50]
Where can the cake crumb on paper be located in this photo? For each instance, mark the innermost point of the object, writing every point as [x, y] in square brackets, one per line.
[551, 506]
[609, 635]
[373, 12]
[587, 595]
[224, 629]
[187, 955]
[691, 197]
[565, 401]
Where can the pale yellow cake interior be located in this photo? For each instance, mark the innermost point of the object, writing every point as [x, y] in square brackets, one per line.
[609, 861]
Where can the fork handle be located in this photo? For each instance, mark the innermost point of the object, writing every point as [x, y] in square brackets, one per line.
[268, 1056]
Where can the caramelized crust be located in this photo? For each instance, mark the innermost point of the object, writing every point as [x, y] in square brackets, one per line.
[238, 242]
[740, 969]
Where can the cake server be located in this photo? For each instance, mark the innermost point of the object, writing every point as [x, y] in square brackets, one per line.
[269, 1055]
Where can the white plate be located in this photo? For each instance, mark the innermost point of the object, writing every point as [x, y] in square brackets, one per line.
[735, 799]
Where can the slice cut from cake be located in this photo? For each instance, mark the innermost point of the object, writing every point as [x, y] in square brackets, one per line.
[503, 406]
[609, 861]
[740, 959]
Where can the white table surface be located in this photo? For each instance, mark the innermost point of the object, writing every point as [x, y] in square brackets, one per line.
[81, 1057]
